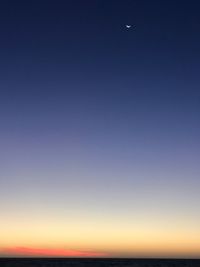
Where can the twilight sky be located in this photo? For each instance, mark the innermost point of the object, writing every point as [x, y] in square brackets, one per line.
[99, 128]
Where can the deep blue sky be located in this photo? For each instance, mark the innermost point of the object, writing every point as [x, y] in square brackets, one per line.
[92, 110]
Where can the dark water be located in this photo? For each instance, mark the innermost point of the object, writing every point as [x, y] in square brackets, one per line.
[37, 262]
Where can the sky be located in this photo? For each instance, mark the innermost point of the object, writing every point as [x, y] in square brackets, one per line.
[99, 128]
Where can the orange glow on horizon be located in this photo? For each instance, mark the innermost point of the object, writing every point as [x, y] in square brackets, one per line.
[44, 252]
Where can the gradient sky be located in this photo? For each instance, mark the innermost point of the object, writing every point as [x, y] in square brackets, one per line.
[99, 128]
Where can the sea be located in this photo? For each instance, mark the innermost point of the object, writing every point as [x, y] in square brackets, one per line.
[77, 262]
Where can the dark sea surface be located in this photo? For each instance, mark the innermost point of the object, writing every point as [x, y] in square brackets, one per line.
[51, 262]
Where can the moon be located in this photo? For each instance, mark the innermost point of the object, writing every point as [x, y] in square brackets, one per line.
[128, 26]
